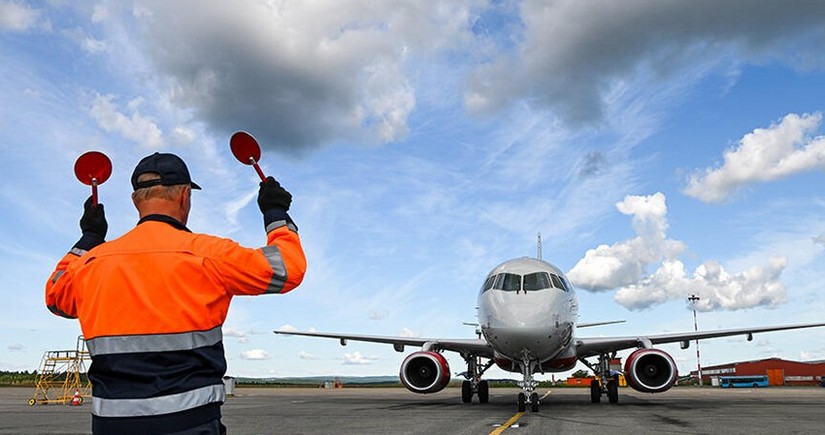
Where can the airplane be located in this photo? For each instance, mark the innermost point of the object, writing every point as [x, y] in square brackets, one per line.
[527, 319]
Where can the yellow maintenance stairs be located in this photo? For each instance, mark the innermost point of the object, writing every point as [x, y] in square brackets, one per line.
[62, 377]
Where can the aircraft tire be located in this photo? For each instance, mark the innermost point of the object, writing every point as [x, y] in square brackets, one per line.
[534, 402]
[483, 392]
[613, 391]
[595, 392]
[522, 406]
[466, 392]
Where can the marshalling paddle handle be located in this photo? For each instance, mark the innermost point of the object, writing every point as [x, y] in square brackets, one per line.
[257, 169]
[94, 192]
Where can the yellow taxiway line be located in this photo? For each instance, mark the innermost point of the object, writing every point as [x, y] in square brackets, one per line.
[509, 423]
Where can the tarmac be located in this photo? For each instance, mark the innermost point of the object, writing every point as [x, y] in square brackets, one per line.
[307, 411]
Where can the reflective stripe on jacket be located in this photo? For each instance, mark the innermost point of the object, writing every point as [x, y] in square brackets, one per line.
[151, 305]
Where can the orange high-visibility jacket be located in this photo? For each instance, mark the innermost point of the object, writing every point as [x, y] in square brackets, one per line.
[151, 304]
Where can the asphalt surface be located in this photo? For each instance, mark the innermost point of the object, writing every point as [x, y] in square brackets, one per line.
[685, 410]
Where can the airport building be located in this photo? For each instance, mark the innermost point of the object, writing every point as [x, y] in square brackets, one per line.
[778, 371]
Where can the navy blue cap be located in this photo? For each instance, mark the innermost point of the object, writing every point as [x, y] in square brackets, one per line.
[171, 168]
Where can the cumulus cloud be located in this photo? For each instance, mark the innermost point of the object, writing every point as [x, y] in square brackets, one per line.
[625, 266]
[717, 288]
[765, 154]
[287, 328]
[255, 355]
[232, 332]
[409, 333]
[295, 73]
[356, 358]
[571, 56]
[16, 17]
[608, 267]
[135, 126]
[306, 355]
[819, 240]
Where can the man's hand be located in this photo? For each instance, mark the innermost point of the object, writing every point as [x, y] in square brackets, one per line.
[93, 225]
[94, 219]
[272, 196]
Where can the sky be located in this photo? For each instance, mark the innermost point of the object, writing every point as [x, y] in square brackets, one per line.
[661, 149]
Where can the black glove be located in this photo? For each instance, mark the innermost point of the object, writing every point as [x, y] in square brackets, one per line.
[93, 225]
[272, 196]
[274, 201]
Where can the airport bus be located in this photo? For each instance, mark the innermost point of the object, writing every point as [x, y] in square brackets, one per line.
[743, 381]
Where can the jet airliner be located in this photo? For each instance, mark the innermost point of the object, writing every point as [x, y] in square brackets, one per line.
[527, 317]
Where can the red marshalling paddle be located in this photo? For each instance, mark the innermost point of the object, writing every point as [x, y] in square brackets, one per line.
[246, 149]
[93, 168]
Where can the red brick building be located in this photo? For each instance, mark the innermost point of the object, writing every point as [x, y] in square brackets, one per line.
[779, 371]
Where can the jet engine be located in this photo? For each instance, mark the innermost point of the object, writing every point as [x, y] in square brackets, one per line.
[650, 371]
[425, 372]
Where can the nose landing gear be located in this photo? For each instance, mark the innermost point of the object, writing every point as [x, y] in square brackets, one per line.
[528, 386]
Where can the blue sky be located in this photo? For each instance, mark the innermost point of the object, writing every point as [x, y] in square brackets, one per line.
[661, 148]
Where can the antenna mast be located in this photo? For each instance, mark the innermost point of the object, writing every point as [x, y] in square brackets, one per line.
[539, 246]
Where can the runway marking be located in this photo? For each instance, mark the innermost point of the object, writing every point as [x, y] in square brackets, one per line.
[509, 423]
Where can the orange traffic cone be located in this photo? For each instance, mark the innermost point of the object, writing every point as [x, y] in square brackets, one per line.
[77, 400]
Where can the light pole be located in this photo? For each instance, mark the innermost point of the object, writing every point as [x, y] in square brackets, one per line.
[693, 299]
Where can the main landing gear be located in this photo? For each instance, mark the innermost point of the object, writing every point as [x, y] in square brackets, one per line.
[528, 395]
[474, 384]
[607, 384]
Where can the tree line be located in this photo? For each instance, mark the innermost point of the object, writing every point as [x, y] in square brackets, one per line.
[18, 378]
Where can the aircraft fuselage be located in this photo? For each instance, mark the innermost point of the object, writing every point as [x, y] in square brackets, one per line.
[527, 311]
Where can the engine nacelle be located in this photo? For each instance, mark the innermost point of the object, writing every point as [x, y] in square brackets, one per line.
[650, 371]
[425, 372]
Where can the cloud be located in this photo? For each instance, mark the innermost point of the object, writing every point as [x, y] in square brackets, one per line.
[812, 355]
[608, 267]
[17, 347]
[378, 314]
[16, 17]
[255, 355]
[571, 57]
[591, 164]
[234, 207]
[718, 289]
[356, 358]
[306, 356]
[299, 74]
[232, 332]
[819, 240]
[135, 127]
[768, 154]
[624, 266]
[287, 328]
[409, 333]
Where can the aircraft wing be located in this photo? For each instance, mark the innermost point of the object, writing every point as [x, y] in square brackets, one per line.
[478, 347]
[586, 347]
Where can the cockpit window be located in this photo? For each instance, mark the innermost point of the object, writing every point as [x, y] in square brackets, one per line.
[508, 282]
[567, 286]
[488, 284]
[537, 281]
[557, 282]
[513, 282]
